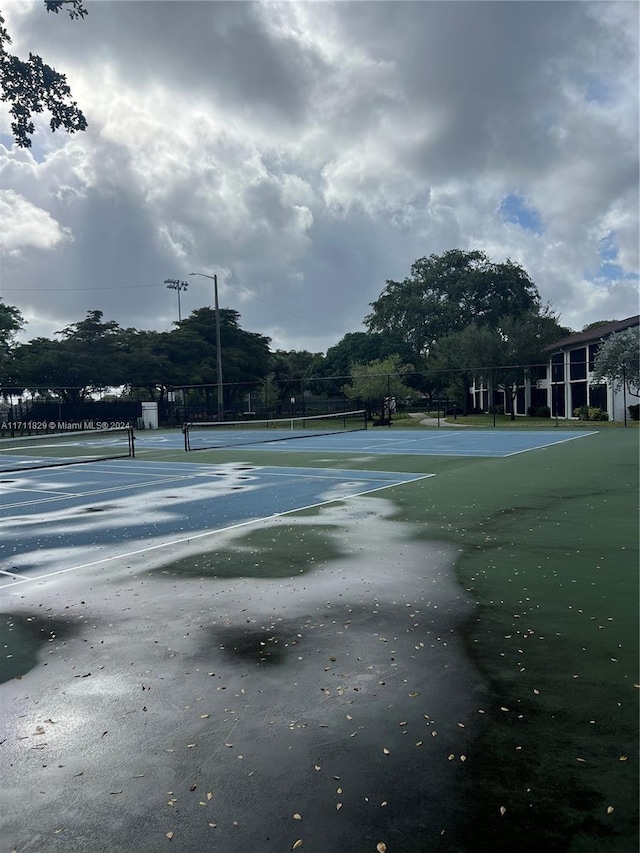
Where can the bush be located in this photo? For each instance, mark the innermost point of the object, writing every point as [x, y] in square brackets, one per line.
[634, 412]
[590, 413]
[543, 412]
[596, 414]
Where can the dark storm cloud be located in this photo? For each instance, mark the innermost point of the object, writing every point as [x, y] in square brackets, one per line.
[224, 51]
[309, 151]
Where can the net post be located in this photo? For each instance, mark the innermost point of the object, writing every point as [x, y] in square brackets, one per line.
[185, 432]
[132, 442]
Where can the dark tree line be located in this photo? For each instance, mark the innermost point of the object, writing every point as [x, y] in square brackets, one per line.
[457, 317]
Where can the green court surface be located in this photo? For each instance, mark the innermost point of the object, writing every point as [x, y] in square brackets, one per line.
[548, 550]
[543, 756]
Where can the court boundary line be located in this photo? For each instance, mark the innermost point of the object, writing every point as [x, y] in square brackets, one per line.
[275, 472]
[66, 496]
[183, 539]
[552, 443]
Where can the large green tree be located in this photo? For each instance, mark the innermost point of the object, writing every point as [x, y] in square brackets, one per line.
[30, 86]
[447, 292]
[246, 358]
[504, 356]
[89, 356]
[11, 322]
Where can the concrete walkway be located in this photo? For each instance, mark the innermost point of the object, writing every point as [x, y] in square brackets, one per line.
[426, 421]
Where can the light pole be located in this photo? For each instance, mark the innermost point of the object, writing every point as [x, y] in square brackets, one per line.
[214, 278]
[175, 284]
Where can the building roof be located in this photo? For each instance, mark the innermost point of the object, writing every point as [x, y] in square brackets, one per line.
[595, 334]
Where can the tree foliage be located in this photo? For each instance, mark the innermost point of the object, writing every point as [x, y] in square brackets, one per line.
[447, 292]
[31, 86]
[11, 322]
[618, 361]
[373, 383]
[94, 354]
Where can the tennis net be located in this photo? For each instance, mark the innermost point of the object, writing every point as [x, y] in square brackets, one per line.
[208, 436]
[66, 448]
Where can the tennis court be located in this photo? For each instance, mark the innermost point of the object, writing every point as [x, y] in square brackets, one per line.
[94, 514]
[421, 640]
[383, 441]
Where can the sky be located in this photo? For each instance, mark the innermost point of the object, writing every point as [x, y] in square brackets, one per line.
[306, 153]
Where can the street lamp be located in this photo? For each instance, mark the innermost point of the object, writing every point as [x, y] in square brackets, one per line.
[175, 284]
[214, 278]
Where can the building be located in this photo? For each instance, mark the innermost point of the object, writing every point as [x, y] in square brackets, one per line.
[565, 383]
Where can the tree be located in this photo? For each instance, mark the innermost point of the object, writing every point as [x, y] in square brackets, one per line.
[11, 322]
[246, 358]
[89, 357]
[377, 383]
[30, 86]
[447, 292]
[618, 361]
[504, 356]
[290, 375]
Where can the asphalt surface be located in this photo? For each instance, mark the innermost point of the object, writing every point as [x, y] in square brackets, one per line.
[332, 706]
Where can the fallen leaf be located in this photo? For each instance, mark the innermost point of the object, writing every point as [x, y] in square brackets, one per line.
[193, 787]
[386, 751]
[317, 767]
[213, 825]
[502, 810]
[209, 795]
[338, 806]
[381, 847]
[297, 816]
[297, 845]
[609, 809]
[170, 836]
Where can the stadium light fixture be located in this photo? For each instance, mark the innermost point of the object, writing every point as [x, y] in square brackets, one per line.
[214, 278]
[176, 284]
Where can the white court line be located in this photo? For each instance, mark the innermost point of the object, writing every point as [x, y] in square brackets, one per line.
[357, 475]
[14, 489]
[103, 491]
[414, 440]
[184, 539]
[551, 443]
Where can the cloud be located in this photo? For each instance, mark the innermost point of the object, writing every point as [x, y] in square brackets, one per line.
[23, 225]
[308, 152]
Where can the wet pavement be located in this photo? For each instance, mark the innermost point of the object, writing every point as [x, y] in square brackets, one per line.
[332, 708]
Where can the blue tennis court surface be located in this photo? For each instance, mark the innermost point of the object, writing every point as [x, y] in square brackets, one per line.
[57, 520]
[444, 442]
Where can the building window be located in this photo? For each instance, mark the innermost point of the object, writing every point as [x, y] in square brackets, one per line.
[538, 372]
[578, 395]
[598, 396]
[578, 365]
[593, 351]
[557, 400]
[557, 367]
